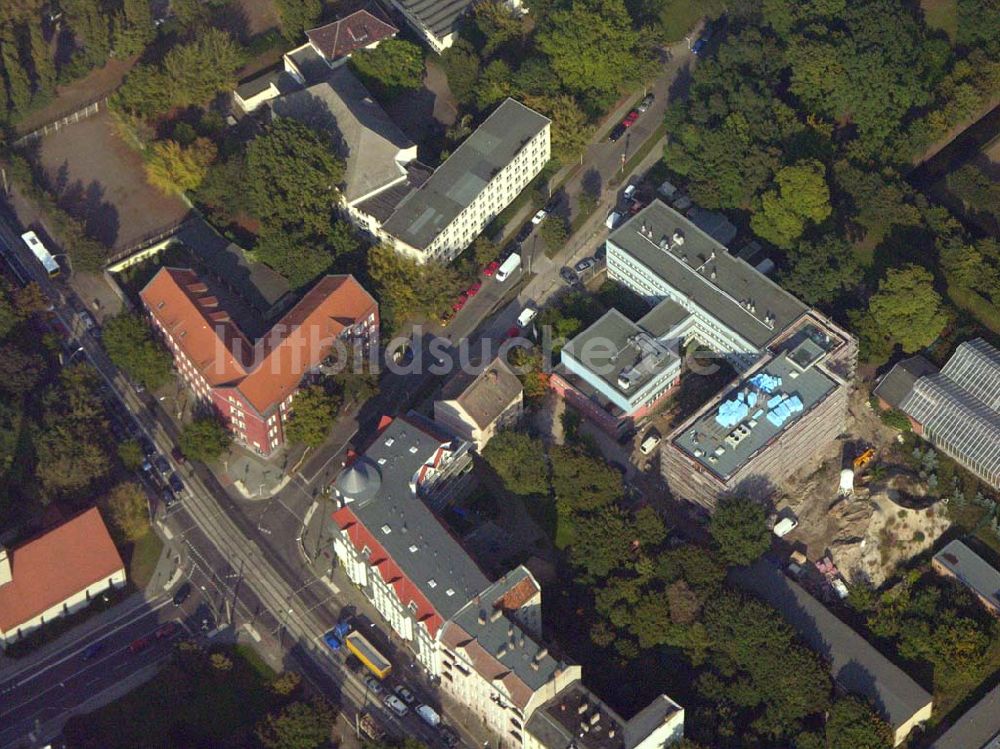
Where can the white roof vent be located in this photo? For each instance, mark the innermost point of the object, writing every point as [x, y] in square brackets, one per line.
[432, 583]
[678, 237]
[382, 461]
[413, 548]
[389, 441]
[413, 449]
[387, 529]
[450, 592]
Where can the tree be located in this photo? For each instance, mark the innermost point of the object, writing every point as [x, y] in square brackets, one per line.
[461, 66]
[590, 45]
[554, 233]
[905, 311]
[18, 84]
[20, 370]
[133, 27]
[570, 128]
[602, 541]
[739, 529]
[292, 174]
[496, 82]
[128, 510]
[144, 92]
[198, 70]
[89, 23]
[299, 725]
[205, 439]
[484, 252]
[582, 483]
[822, 270]
[407, 289]
[297, 16]
[852, 724]
[175, 169]
[394, 66]
[519, 461]
[499, 24]
[130, 454]
[286, 683]
[132, 348]
[42, 62]
[313, 413]
[801, 196]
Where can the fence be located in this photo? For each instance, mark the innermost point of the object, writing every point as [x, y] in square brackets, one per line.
[81, 114]
[115, 262]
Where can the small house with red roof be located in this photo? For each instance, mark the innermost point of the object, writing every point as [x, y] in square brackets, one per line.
[56, 573]
[252, 383]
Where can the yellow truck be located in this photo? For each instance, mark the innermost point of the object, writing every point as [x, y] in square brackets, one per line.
[365, 652]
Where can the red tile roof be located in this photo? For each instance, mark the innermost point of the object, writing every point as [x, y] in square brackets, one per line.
[56, 566]
[356, 31]
[265, 373]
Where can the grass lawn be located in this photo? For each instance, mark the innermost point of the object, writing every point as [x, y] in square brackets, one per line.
[182, 706]
[632, 164]
[678, 17]
[143, 556]
[941, 14]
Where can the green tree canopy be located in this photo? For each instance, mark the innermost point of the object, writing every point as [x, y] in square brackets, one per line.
[590, 45]
[581, 482]
[823, 270]
[801, 196]
[198, 70]
[132, 348]
[906, 310]
[299, 725]
[297, 16]
[174, 168]
[739, 529]
[520, 461]
[312, 417]
[394, 66]
[407, 289]
[128, 510]
[852, 724]
[204, 438]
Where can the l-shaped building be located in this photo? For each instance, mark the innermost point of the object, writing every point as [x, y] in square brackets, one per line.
[481, 639]
[795, 365]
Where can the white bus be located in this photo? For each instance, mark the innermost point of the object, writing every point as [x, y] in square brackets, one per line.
[38, 250]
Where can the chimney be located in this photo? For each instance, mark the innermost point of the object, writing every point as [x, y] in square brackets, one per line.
[6, 575]
[497, 613]
[540, 655]
[482, 617]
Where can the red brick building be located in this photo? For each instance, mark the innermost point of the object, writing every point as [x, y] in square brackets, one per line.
[252, 384]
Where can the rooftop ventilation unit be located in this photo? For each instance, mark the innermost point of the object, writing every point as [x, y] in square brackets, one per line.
[678, 237]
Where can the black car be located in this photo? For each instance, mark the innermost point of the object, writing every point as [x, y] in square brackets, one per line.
[449, 736]
[93, 650]
[524, 232]
[168, 498]
[182, 594]
[568, 275]
[204, 618]
[161, 465]
[148, 448]
[617, 132]
[176, 485]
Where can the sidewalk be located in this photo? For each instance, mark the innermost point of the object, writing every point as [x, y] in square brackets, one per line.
[252, 476]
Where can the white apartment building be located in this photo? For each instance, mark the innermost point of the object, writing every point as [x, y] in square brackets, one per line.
[450, 208]
[735, 309]
[481, 640]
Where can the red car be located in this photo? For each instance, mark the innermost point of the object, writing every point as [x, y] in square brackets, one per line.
[167, 630]
[630, 118]
[139, 645]
[460, 302]
[490, 269]
[474, 289]
[513, 331]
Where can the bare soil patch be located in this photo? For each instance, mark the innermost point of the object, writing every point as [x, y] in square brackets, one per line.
[99, 179]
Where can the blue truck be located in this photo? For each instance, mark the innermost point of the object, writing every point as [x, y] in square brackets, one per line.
[335, 637]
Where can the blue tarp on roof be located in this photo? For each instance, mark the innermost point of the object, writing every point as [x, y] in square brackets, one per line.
[731, 413]
[764, 381]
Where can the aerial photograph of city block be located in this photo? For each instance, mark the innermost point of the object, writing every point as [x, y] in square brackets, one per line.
[495, 374]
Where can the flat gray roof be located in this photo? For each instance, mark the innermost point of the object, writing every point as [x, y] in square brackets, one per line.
[438, 16]
[379, 482]
[425, 212]
[854, 662]
[615, 345]
[310, 63]
[898, 383]
[974, 571]
[735, 285]
[368, 140]
[724, 444]
[978, 728]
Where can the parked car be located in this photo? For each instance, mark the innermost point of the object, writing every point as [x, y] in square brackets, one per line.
[168, 497]
[649, 442]
[396, 705]
[699, 46]
[148, 448]
[140, 644]
[175, 483]
[527, 315]
[585, 264]
[167, 630]
[182, 594]
[449, 736]
[630, 118]
[405, 694]
[568, 275]
[353, 664]
[613, 219]
[616, 132]
[460, 302]
[646, 102]
[474, 289]
[525, 231]
[162, 466]
[93, 650]
[628, 192]
[491, 268]
[373, 684]
[539, 216]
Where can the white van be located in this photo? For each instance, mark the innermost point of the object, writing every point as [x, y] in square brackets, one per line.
[613, 218]
[649, 442]
[508, 266]
[527, 315]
